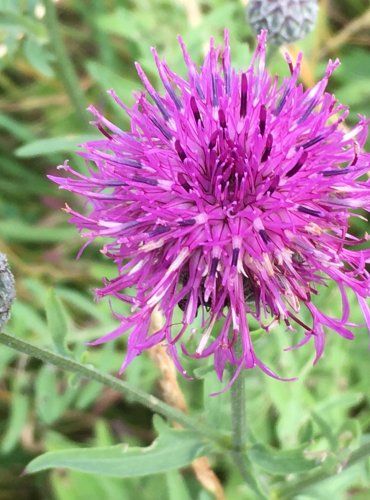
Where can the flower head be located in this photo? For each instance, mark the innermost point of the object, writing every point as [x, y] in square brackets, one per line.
[230, 198]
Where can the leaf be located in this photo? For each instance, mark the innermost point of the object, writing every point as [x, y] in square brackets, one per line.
[57, 323]
[173, 449]
[38, 57]
[18, 415]
[24, 24]
[50, 403]
[326, 430]
[280, 462]
[176, 485]
[23, 232]
[53, 145]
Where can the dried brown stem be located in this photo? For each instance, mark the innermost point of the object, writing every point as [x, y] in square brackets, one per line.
[174, 396]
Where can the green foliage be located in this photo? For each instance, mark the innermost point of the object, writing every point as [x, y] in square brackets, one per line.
[124, 461]
[307, 439]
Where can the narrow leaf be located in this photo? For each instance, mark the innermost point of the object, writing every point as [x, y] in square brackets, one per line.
[171, 450]
[57, 322]
[280, 462]
[43, 147]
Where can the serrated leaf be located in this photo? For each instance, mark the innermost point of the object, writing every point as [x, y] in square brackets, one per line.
[280, 462]
[172, 450]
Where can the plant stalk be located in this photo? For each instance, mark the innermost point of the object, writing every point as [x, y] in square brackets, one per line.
[239, 435]
[131, 393]
[65, 68]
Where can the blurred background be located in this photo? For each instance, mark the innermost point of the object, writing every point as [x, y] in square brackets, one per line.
[42, 120]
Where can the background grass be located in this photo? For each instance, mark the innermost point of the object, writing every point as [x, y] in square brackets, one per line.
[44, 409]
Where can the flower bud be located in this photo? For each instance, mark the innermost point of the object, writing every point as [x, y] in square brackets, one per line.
[285, 20]
[7, 290]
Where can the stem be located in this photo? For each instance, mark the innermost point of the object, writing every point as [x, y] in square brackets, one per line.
[65, 68]
[131, 393]
[238, 414]
[239, 434]
[288, 491]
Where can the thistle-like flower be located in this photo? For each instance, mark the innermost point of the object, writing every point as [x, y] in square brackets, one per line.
[230, 198]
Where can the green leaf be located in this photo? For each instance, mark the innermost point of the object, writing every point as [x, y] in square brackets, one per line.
[173, 449]
[24, 24]
[50, 403]
[176, 485]
[23, 232]
[326, 430]
[280, 462]
[57, 322]
[53, 145]
[38, 57]
[18, 414]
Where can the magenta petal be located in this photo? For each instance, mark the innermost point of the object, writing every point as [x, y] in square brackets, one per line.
[230, 199]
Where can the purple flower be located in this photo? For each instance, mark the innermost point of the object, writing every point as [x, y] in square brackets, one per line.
[230, 198]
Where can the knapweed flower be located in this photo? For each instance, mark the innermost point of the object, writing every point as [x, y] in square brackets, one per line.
[230, 199]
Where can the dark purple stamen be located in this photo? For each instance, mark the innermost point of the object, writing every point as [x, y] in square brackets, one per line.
[214, 91]
[213, 140]
[243, 97]
[235, 256]
[179, 150]
[145, 180]
[160, 127]
[266, 238]
[263, 115]
[282, 102]
[183, 182]
[199, 90]
[129, 163]
[221, 118]
[161, 106]
[103, 131]
[274, 184]
[333, 173]
[298, 165]
[214, 265]
[308, 111]
[187, 222]
[267, 150]
[173, 96]
[312, 142]
[309, 211]
[195, 109]
[159, 230]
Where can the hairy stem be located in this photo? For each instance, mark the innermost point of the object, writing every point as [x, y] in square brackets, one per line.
[66, 71]
[131, 393]
[239, 434]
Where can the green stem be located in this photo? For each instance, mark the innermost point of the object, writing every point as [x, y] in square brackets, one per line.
[64, 64]
[131, 393]
[239, 434]
[287, 491]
